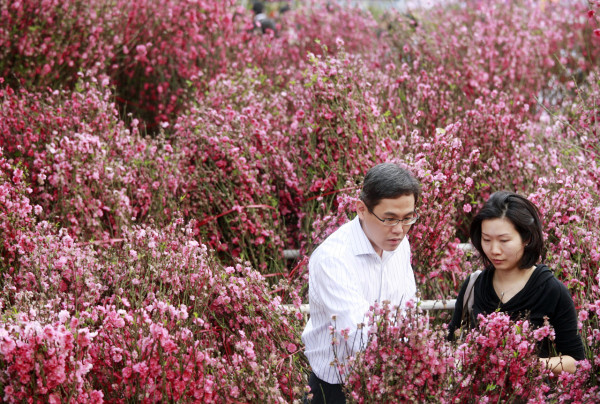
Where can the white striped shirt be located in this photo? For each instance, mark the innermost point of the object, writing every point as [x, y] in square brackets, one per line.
[346, 276]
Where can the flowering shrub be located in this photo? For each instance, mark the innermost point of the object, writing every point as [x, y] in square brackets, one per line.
[519, 48]
[405, 360]
[163, 47]
[227, 158]
[149, 50]
[186, 308]
[188, 329]
[80, 158]
[258, 143]
[46, 363]
[17, 213]
[576, 388]
[449, 182]
[49, 43]
[497, 361]
[569, 202]
[53, 274]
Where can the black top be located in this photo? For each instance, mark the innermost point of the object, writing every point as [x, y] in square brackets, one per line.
[543, 295]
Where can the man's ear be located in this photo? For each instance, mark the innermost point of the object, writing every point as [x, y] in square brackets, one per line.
[361, 209]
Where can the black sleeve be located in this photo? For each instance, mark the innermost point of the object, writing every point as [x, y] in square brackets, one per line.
[458, 309]
[568, 341]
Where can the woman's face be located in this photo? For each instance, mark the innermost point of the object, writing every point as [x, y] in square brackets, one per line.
[502, 244]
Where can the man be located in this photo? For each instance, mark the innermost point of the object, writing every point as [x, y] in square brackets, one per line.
[366, 260]
[261, 21]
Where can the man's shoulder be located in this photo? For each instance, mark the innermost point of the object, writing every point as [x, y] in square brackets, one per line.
[342, 233]
[337, 243]
[336, 240]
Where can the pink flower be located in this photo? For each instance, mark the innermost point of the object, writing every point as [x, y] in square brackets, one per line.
[7, 344]
[59, 263]
[141, 368]
[141, 50]
[96, 396]
[53, 399]
[467, 207]
[49, 332]
[63, 316]
[169, 346]
[84, 337]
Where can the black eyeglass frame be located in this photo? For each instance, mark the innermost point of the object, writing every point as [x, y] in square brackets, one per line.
[389, 222]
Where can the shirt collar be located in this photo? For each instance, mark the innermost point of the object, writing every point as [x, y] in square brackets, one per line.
[360, 243]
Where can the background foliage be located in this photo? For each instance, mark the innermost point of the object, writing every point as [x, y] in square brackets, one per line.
[157, 158]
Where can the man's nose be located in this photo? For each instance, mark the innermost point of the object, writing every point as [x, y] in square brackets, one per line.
[398, 229]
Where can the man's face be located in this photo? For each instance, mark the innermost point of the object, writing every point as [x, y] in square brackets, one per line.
[386, 238]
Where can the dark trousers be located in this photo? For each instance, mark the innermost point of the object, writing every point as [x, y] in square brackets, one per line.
[323, 392]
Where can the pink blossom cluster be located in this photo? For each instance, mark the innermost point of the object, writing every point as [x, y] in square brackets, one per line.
[148, 50]
[17, 212]
[46, 362]
[409, 359]
[159, 317]
[80, 157]
[185, 313]
[497, 361]
[405, 360]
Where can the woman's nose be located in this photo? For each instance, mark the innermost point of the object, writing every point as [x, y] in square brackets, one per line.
[495, 247]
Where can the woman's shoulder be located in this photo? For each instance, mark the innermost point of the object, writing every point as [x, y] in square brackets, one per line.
[546, 279]
[476, 275]
[485, 276]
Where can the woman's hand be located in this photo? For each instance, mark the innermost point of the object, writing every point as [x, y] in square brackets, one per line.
[558, 364]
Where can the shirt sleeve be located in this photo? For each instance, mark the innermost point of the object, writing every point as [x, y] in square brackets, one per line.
[568, 341]
[342, 302]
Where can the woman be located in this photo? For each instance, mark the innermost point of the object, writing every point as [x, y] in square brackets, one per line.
[507, 233]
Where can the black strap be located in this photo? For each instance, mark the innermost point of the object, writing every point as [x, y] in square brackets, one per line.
[469, 299]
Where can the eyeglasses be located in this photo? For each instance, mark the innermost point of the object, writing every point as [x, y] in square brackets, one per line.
[393, 222]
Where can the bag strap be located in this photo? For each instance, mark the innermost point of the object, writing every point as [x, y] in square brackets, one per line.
[468, 300]
[469, 297]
